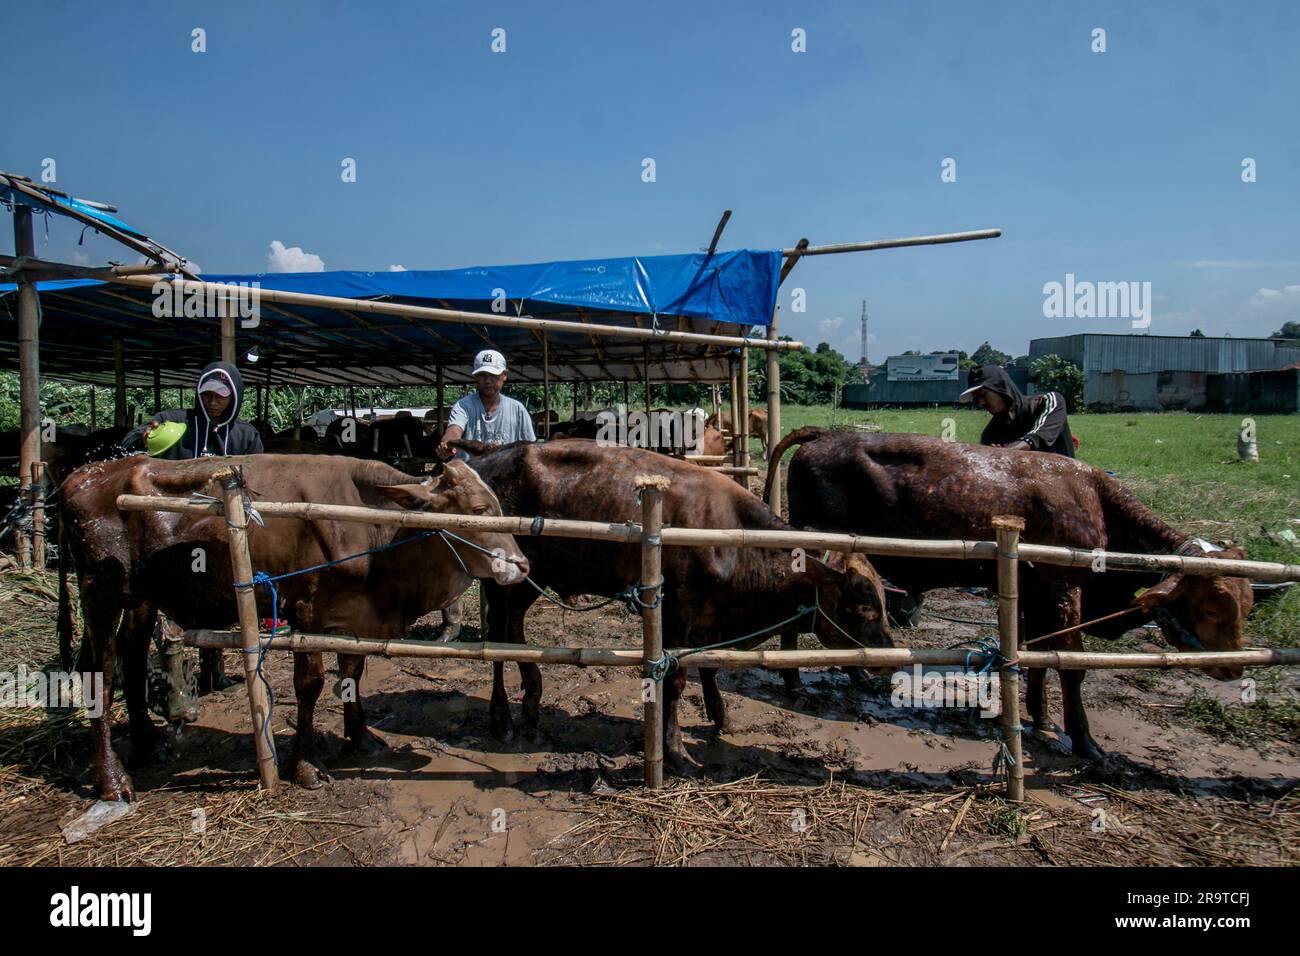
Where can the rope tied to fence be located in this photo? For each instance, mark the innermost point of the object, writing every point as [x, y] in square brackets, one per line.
[1003, 761]
[991, 650]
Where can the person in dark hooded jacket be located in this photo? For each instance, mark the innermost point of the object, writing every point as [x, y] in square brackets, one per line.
[1025, 422]
[212, 426]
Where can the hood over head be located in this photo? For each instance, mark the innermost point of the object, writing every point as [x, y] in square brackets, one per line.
[996, 379]
[229, 376]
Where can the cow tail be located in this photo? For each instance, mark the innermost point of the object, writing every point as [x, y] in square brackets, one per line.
[799, 436]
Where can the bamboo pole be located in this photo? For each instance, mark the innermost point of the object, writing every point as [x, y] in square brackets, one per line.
[724, 659]
[227, 333]
[442, 397]
[157, 390]
[94, 412]
[38, 516]
[29, 376]
[1008, 528]
[742, 424]
[44, 270]
[119, 382]
[739, 538]
[774, 414]
[376, 307]
[241, 563]
[546, 386]
[892, 243]
[734, 374]
[651, 489]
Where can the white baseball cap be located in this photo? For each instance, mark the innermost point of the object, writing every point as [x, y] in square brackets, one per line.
[490, 361]
[215, 385]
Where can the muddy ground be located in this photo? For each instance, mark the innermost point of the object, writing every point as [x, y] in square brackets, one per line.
[837, 776]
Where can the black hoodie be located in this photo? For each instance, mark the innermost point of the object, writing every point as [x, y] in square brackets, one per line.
[1038, 419]
[203, 435]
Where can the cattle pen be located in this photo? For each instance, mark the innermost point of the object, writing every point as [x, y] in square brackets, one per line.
[1006, 656]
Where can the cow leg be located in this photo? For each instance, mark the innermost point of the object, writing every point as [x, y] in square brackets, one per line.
[1036, 698]
[790, 675]
[499, 617]
[212, 671]
[147, 744]
[308, 681]
[675, 755]
[714, 705]
[364, 740]
[101, 610]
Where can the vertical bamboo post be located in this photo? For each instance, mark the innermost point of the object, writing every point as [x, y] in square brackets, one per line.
[29, 372]
[735, 416]
[742, 426]
[227, 332]
[38, 517]
[94, 412]
[652, 488]
[645, 374]
[241, 563]
[441, 386]
[1008, 529]
[157, 389]
[119, 382]
[546, 387]
[774, 414]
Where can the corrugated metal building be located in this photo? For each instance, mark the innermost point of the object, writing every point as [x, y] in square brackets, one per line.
[1158, 372]
[1275, 392]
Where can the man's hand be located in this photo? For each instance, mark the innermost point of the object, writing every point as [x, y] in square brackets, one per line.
[1019, 445]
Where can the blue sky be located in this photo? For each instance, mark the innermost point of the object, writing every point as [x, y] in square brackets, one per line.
[1115, 166]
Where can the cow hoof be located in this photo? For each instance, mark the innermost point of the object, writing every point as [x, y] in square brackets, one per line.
[680, 763]
[723, 728]
[502, 727]
[1087, 748]
[117, 786]
[368, 742]
[309, 777]
[450, 633]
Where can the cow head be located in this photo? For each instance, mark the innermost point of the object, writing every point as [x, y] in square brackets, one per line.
[1198, 613]
[459, 490]
[853, 599]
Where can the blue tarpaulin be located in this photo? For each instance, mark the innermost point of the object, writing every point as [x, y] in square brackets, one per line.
[727, 293]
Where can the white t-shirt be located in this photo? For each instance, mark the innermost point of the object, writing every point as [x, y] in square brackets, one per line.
[509, 423]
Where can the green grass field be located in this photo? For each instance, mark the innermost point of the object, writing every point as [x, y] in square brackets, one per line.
[1182, 466]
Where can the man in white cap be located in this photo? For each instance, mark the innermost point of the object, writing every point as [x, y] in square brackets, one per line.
[492, 418]
[487, 415]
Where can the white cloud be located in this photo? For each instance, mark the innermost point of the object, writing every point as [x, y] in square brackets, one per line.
[830, 327]
[292, 259]
[397, 268]
[1238, 264]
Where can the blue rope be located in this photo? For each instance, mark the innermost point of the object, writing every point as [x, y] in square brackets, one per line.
[991, 650]
[261, 578]
[667, 662]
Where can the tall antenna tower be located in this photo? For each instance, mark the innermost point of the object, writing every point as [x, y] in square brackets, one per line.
[864, 333]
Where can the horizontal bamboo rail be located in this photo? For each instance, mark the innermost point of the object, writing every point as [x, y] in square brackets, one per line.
[796, 252]
[732, 659]
[630, 533]
[375, 307]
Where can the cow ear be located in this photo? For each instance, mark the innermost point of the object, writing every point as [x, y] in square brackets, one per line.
[411, 497]
[821, 572]
[1168, 590]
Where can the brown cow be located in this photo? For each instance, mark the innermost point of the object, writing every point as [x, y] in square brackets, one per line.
[128, 561]
[913, 486]
[757, 424]
[710, 594]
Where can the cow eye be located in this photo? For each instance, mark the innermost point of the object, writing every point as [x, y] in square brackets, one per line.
[482, 509]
